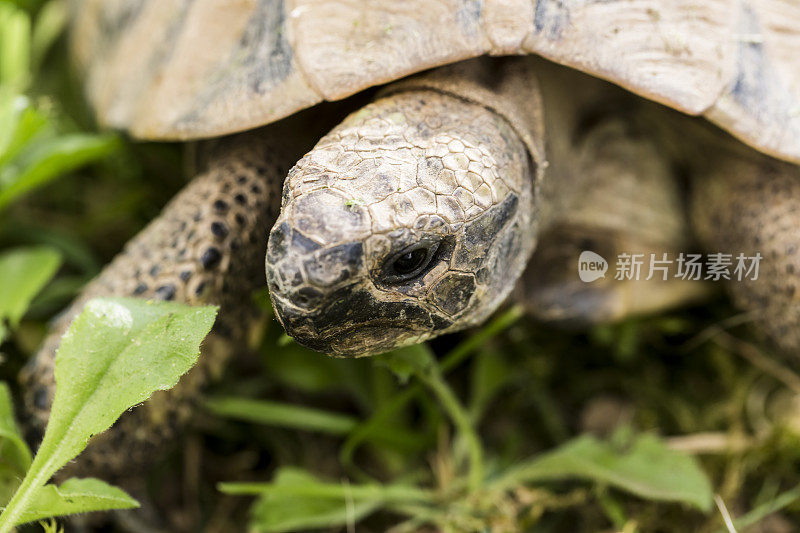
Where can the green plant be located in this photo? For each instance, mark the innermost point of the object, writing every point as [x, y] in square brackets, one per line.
[24, 272]
[111, 341]
[34, 148]
[116, 353]
[473, 498]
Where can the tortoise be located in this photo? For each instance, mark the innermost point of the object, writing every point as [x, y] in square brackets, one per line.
[417, 215]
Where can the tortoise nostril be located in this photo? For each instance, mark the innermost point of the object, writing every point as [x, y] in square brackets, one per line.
[307, 298]
[333, 266]
[277, 244]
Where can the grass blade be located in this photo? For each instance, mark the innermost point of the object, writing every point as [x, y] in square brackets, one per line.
[283, 415]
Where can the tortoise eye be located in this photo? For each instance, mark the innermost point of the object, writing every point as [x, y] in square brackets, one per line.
[410, 263]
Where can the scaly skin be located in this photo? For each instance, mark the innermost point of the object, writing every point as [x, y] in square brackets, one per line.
[417, 170]
[744, 202]
[630, 203]
[207, 247]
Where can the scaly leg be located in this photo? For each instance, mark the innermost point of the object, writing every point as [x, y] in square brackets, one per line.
[747, 203]
[207, 246]
[631, 203]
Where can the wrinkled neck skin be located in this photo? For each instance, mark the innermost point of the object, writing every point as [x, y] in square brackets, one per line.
[416, 170]
[569, 98]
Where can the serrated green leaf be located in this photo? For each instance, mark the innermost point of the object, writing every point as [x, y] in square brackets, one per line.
[76, 496]
[23, 273]
[647, 468]
[45, 160]
[116, 353]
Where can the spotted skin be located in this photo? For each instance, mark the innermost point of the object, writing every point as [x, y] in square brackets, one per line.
[206, 248]
[747, 203]
[630, 203]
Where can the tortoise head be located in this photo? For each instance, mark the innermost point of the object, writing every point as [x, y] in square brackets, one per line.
[410, 219]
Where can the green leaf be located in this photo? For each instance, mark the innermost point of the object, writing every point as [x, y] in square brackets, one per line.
[76, 496]
[116, 353]
[646, 468]
[297, 482]
[281, 414]
[404, 362]
[15, 457]
[274, 514]
[490, 373]
[13, 449]
[278, 513]
[15, 36]
[23, 273]
[308, 419]
[50, 22]
[45, 160]
[20, 123]
[297, 500]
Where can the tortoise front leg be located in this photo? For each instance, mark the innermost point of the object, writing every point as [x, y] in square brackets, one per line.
[206, 247]
[631, 205]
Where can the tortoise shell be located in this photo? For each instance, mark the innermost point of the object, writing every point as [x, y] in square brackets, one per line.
[187, 69]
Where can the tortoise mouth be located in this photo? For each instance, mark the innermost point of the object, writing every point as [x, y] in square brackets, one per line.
[353, 340]
[366, 339]
[354, 327]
